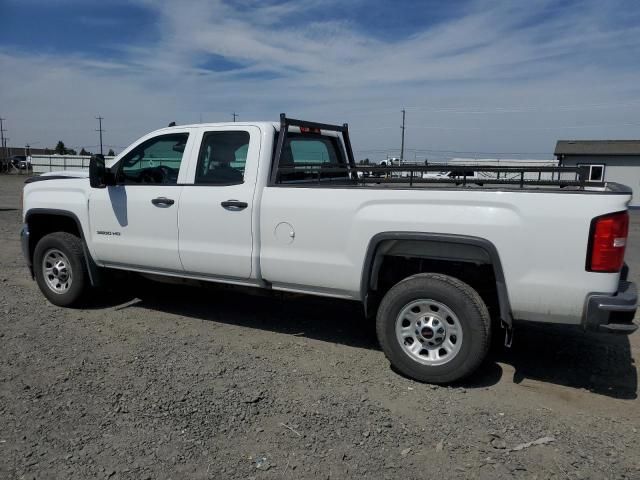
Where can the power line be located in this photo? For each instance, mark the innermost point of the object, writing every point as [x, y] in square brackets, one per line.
[99, 118]
[529, 108]
[516, 109]
[440, 127]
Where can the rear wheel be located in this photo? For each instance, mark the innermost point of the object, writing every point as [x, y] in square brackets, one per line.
[434, 328]
[60, 268]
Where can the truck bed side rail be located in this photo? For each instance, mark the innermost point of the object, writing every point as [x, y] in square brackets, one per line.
[415, 175]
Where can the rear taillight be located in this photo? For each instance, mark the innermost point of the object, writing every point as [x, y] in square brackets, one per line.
[607, 242]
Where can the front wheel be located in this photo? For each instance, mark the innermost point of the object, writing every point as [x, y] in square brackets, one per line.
[434, 328]
[60, 268]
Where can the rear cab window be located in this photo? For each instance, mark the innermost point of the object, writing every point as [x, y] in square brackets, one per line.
[311, 157]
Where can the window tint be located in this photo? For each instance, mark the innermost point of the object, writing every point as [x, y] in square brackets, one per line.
[156, 161]
[222, 158]
[310, 150]
[304, 156]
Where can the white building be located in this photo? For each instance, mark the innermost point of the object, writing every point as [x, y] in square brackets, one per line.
[608, 160]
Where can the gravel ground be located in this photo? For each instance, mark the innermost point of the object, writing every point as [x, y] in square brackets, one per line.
[181, 382]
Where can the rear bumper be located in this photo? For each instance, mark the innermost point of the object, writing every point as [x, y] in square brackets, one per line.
[24, 242]
[613, 313]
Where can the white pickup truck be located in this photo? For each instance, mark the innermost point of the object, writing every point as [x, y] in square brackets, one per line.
[282, 206]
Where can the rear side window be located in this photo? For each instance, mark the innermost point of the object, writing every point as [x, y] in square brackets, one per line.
[222, 158]
[307, 158]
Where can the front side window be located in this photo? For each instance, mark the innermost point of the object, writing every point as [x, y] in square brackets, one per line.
[310, 157]
[156, 161]
[222, 158]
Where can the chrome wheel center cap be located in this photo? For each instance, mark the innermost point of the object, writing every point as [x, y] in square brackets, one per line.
[431, 330]
[427, 333]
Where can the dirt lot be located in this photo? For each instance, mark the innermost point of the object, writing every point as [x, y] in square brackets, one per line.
[210, 383]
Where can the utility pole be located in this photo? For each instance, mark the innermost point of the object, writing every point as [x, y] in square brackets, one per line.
[3, 143]
[402, 144]
[235, 115]
[99, 118]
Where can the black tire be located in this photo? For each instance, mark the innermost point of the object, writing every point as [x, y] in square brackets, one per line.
[462, 300]
[71, 246]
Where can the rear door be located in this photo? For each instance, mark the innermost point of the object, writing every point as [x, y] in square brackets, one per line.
[217, 203]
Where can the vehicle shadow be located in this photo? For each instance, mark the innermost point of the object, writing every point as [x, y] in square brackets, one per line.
[601, 363]
[329, 320]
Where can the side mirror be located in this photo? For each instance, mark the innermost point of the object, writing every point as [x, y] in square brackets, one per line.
[97, 172]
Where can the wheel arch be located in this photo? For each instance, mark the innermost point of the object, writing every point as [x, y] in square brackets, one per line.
[433, 246]
[42, 221]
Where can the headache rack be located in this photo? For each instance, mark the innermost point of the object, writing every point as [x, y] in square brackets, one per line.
[411, 174]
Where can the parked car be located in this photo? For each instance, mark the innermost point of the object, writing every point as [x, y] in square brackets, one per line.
[21, 162]
[280, 206]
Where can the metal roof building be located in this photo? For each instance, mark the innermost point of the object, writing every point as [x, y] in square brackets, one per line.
[608, 160]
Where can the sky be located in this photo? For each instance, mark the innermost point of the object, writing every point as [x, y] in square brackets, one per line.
[477, 78]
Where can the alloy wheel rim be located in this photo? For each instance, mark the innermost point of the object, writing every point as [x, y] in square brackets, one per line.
[56, 270]
[429, 332]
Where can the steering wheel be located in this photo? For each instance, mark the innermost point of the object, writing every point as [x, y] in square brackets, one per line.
[164, 173]
[146, 176]
[155, 175]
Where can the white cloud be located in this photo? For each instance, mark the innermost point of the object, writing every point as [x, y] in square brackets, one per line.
[490, 58]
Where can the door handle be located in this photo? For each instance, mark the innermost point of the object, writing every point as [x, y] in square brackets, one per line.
[163, 202]
[234, 205]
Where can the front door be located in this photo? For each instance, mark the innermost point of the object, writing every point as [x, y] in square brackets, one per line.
[135, 223]
[216, 207]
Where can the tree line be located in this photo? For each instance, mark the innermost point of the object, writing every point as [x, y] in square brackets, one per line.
[61, 149]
